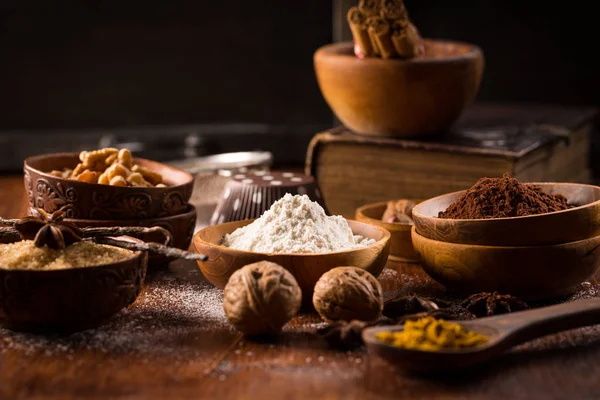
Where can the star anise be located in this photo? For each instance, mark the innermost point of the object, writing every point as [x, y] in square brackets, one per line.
[411, 304]
[488, 304]
[49, 230]
[53, 231]
[348, 335]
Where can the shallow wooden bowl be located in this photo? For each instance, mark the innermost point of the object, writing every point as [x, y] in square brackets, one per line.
[69, 300]
[403, 98]
[95, 201]
[531, 272]
[306, 268]
[401, 248]
[570, 225]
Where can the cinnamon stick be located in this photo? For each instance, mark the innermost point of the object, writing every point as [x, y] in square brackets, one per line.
[380, 34]
[151, 247]
[393, 9]
[369, 8]
[405, 39]
[360, 32]
[127, 231]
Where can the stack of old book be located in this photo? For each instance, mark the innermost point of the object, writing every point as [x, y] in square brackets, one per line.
[531, 143]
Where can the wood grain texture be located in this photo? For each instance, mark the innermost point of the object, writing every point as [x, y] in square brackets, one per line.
[530, 272]
[565, 226]
[306, 268]
[402, 98]
[192, 358]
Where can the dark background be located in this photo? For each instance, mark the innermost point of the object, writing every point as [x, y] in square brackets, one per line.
[75, 66]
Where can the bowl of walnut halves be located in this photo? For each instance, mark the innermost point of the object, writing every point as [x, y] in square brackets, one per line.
[106, 184]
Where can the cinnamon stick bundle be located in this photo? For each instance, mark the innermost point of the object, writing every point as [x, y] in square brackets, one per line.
[360, 32]
[380, 34]
[393, 9]
[369, 8]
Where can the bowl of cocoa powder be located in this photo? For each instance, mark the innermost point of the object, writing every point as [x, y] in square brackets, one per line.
[506, 212]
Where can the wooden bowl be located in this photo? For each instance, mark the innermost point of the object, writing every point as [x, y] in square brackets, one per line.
[69, 300]
[306, 268]
[570, 225]
[403, 98]
[530, 272]
[401, 247]
[94, 201]
[181, 227]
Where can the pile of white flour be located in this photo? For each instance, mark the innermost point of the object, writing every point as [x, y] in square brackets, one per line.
[295, 224]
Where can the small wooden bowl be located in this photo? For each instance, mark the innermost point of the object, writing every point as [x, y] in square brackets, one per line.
[181, 227]
[570, 225]
[403, 98]
[401, 247]
[306, 268]
[530, 272]
[69, 300]
[94, 201]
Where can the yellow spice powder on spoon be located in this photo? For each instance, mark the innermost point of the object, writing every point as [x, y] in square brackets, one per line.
[430, 334]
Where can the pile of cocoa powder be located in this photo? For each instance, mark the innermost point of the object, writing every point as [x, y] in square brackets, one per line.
[501, 198]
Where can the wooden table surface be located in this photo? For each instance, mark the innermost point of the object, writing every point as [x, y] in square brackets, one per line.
[175, 343]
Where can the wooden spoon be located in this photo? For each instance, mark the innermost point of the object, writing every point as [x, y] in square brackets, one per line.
[504, 331]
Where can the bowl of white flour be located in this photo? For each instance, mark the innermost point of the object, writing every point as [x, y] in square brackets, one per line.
[296, 234]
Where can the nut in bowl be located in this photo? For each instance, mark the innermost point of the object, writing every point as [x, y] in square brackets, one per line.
[51, 185]
[399, 226]
[296, 234]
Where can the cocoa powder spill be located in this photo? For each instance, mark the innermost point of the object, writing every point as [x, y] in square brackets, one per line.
[501, 198]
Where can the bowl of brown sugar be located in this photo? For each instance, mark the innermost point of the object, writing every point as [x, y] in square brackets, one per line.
[535, 240]
[45, 289]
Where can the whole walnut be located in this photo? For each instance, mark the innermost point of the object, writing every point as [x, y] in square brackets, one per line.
[261, 297]
[348, 293]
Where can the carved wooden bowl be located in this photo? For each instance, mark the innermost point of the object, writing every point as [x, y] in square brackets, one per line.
[403, 98]
[570, 225]
[69, 300]
[181, 227]
[401, 247]
[94, 201]
[530, 272]
[306, 268]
